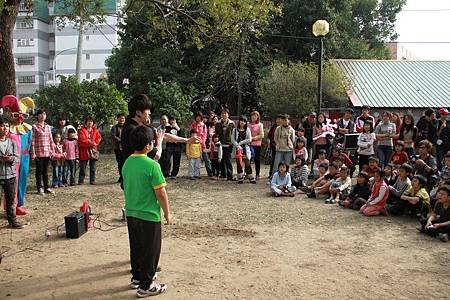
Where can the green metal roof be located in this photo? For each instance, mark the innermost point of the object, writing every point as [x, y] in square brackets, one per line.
[397, 83]
[109, 6]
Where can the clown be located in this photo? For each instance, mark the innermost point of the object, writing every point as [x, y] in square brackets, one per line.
[21, 134]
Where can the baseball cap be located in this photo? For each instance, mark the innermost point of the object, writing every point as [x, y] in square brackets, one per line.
[444, 111]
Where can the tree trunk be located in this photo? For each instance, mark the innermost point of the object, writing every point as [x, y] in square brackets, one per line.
[7, 68]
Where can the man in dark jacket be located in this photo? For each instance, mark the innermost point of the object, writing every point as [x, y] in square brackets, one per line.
[116, 133]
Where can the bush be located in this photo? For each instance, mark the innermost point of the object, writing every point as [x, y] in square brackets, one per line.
[291, 88]
[75, 101]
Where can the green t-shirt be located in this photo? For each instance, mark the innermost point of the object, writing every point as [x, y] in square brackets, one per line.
[141, 177]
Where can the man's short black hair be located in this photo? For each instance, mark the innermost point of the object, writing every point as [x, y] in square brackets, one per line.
[141, 136]
[120, 115]
[447, 154]
[428, 112]
[139, 102]
[40, 111]
[407, 167]
[3, 120]
[445, 189]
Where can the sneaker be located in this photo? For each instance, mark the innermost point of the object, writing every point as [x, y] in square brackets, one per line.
[328, 201]
[49, 191]
[443, 237]
[311, 195]
[93, 183]
[41, 191]
[333, 201]
[134, 284]
[16, 225]
[61, 185]
[191, 178]
[197, 177]
[153, 290]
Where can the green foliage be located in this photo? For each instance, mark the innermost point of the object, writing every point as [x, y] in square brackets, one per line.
[169, 98]
[76, 101]
[292, 88]
[80, 12]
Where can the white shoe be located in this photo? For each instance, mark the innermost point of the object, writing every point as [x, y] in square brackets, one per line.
[41, 191]
[153, 290]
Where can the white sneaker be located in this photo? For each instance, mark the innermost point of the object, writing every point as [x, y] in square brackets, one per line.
[153, 290]
[41, 191]
[134, 284]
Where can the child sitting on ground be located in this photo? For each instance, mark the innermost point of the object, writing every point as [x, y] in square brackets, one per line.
[359, 194]
[401, 185]
[300, 149]
[281, 184]
[324, 183]
[322, 159]
[300, 172]
[438, 224]
[377, 200]
[390, 174]
[340, 162]
[145, 196]
[340, 188]
[194, 154]
[399, 157]
[323, 169]
[373, 167]
[415, 201]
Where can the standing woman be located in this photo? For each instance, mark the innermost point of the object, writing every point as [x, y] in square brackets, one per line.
[395, 118]
[88, 140]
[408, 134]
[202, 133]
[384, 132]
[257, 131]
[241, 138]
[319, 139]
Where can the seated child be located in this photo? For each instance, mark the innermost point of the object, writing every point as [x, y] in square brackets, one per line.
[399, 157]
[377, 200]
[390, 174]
[340, 188]
[401, 185]
[322, 159]
[438, 224]
[444, 179]
[359, 194]
[300, 172]
[372, 167]
[340, 162]
[415, 201]
[323, 168]
[323, 186]
[281, 184]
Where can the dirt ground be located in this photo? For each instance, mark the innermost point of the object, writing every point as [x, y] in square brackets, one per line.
[229, 242]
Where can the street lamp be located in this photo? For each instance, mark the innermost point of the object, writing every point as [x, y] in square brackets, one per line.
[320, 29]
[54, 62]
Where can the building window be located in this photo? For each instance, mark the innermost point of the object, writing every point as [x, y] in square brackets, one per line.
[88, 56]
[25, 43]
[87, 38]
[27, 79]
[24, 24]
[23, 7]
[25, 60]
[88, 75]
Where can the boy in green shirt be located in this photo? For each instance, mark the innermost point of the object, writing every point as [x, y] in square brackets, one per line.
[145, 195]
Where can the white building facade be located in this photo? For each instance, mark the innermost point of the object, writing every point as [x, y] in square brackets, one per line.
[42, 50]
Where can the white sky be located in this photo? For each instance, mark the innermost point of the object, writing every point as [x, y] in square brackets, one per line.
[425, 26]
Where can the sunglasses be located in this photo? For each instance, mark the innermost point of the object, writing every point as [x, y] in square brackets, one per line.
[16, 115]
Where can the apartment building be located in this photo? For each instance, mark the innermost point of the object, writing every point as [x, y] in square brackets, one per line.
[43, 50]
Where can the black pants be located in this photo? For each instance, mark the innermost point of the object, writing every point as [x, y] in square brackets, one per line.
[363, 160]
[92, 170]
[145, 249]
[433, 231]
[164, 163]
[42, 172]
[257, 159]
[120, 161]
[273, 150]
[215, 167]
[9, 190]
[174, 154]
[227, 167]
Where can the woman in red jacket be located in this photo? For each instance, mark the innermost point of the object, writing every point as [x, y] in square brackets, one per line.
[88, 140]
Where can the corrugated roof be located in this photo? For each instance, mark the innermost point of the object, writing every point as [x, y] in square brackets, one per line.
[397, 83]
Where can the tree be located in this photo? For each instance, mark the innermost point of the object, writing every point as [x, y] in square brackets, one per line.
[291, 88]
[169, 99]
[358, 28]
[75, 101]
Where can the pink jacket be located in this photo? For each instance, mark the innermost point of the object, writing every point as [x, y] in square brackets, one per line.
[71, 148]
[202, 132]
[380, 193]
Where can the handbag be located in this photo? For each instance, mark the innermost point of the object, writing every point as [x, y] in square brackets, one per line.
[94, 154]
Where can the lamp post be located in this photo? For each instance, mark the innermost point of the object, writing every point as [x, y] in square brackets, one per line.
[54, 62]
[320, 29]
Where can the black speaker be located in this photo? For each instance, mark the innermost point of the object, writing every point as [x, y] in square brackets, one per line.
[75, 225]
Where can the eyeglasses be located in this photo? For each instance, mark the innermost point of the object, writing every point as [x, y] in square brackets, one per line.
[16, 115]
